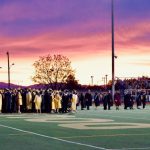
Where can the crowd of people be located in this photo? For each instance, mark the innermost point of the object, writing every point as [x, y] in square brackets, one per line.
[54, 101]
[29, 100]
[133, 83]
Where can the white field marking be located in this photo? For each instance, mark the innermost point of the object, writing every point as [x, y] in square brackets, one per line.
[86, 123]
[118, 116]
[89, 123]
[19, 117]
[54, 138]
[42, 116]
[142, 148]
[10, 115]
[109, 135]
[58, 118]
[69, 120]
[88, 126]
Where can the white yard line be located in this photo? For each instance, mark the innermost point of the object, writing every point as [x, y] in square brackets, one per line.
[142, 148]
[54, 138]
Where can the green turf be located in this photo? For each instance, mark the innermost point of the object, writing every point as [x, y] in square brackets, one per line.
[41, 135]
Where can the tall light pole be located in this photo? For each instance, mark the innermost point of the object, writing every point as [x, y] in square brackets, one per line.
[103, 79]
[9, 69]
[106, 79]
[113, 49]
[92, 80]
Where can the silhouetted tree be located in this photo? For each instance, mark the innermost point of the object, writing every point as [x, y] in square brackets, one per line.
[52, 70]
[71, 82]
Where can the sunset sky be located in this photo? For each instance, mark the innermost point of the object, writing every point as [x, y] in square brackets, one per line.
[78, 29]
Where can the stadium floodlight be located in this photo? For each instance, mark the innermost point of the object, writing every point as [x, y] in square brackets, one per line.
[106, 79]
[92, 80]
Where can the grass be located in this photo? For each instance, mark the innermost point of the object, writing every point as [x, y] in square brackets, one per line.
[46, 131]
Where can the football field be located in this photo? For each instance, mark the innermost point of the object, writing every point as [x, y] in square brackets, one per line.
[84, 130]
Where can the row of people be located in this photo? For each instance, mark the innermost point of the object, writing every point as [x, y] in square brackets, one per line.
[105, 98]
[48, 101]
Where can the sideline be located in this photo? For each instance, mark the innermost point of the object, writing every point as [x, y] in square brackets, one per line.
[54, 138]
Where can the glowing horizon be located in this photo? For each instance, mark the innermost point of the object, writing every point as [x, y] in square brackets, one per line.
[80, 30]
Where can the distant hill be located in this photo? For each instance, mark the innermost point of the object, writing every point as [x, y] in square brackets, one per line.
[5, 85]
[41, 86]
[36, 86]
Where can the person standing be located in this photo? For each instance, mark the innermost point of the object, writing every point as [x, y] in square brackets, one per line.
[53, 109]
[128, 100]
[14, 101]
[1, 102]
[88, 99]
[48, 100]
[65, 100]
[33, 93]
[138, 100]
[57, 101]
[23, 94]
[74, 101]
[8, 100]
[19, 101]
[29, 100]
[143, 99]
[117, 100]
[96, 100]
[38, 101]
[107, 101]
[82, 101]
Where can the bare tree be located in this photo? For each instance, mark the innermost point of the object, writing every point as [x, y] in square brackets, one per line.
[52, 70]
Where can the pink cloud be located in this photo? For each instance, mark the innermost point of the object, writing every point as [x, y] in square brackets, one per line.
[80, 45]
[132, 33]
[60, 41]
